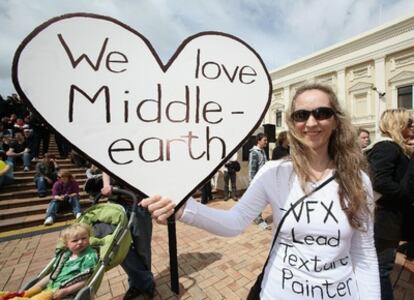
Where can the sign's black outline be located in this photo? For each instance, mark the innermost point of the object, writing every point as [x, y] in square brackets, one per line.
[163, 67]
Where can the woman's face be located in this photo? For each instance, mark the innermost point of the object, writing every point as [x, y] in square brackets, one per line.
[315, 133]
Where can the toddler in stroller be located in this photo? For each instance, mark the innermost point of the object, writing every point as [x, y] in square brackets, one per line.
[112, 240]
[73, 265]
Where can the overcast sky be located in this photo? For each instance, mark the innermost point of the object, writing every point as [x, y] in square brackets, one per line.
[280, 31]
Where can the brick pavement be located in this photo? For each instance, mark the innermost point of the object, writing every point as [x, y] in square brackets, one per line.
[210, 267]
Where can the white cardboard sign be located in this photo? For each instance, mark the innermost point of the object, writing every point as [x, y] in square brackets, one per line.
[160, 128]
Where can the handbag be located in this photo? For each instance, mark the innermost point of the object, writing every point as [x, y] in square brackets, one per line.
[254, 293]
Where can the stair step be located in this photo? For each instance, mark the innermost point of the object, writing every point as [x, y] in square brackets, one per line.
[32, 220]
[26, 179]
[27, 193]
[32, 210]
[60, 162]
[31, 201]
[31, 185]
[20, 207]
[32, 171]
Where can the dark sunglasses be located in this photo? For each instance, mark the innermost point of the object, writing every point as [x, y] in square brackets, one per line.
[320, 113]
[410, 123]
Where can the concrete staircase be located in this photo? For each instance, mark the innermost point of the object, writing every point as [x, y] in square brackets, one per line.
[20, 207]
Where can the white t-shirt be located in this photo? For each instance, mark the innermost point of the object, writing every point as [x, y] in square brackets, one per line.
[318, 255]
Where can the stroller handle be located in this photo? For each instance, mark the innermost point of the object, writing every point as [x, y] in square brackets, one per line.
[118, 191]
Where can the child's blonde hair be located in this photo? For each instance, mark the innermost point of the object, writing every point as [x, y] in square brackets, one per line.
[74, 230]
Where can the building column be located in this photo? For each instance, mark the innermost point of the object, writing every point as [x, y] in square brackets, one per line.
[380, 102]
[286, 95]
[340, 85]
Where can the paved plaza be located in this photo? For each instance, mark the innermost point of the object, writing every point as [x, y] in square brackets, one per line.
[210, 267]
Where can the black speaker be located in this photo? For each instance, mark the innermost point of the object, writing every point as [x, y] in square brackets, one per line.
[247, 146]
[270, 132]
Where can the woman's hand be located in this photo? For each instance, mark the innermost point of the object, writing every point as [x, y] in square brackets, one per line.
[161, 208]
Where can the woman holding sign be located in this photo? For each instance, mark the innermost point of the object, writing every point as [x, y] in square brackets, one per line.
[322, 206]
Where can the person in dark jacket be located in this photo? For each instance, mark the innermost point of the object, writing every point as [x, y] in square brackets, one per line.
[282, 148]
[389, 158]
[46, 174]
[137, 263]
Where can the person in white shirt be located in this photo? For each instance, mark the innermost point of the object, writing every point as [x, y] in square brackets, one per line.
[325, 249]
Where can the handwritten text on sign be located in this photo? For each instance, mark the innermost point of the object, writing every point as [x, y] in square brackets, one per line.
[159, 128]
[309, 250]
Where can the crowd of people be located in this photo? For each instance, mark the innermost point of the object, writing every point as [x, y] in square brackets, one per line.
[354, 223]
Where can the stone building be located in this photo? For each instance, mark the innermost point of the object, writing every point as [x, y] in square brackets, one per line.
[370, 72]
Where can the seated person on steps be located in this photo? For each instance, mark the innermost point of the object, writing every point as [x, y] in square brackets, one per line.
[6, 170]
[46, 174]
[64, 191]
[20, 149]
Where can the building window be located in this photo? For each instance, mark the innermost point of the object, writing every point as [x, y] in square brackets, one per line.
[405, 97]
[360, 108]
[278, 119]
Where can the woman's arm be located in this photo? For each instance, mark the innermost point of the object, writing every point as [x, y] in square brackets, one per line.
[218, 221]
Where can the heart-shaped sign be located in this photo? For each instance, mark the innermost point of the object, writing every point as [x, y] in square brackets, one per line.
[161, 129]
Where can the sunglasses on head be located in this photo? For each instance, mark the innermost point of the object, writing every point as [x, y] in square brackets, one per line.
[320, 113]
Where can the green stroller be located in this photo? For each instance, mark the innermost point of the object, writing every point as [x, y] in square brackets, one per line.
[112, 240]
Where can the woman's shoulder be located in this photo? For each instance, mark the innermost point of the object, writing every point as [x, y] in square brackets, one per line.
[280, 168]
[386, 148]
[385, 145]
[280, 164]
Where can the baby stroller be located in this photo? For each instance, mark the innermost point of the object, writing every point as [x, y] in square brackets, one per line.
[112, 239]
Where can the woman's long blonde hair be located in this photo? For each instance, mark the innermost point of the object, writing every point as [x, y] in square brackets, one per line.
[393, 122]
[344, 152]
